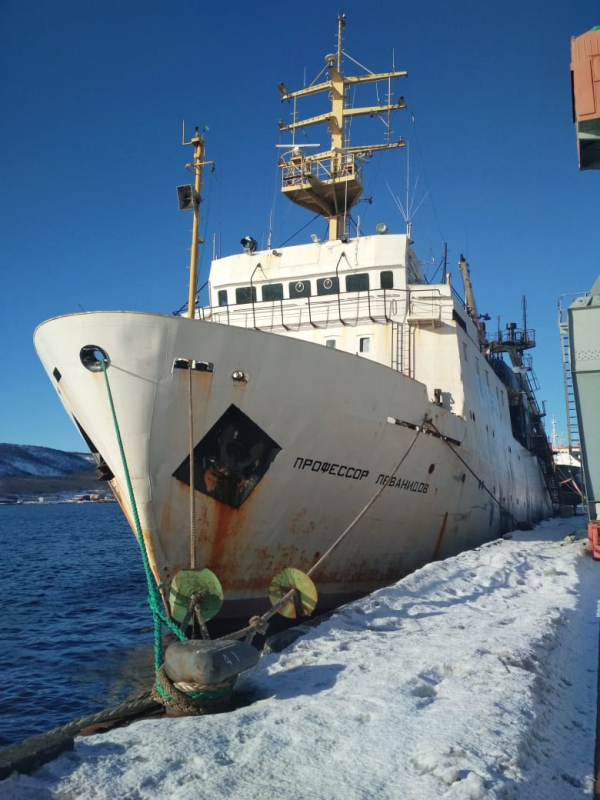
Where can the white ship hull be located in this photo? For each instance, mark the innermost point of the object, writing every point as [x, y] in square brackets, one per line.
[322, 434]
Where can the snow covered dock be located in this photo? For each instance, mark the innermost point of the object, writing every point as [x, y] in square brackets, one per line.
[475, 677]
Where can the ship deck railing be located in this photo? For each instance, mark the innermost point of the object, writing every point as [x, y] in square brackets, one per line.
[514, 338]
[428, 307]
[297, 169]
[378, 306]
[300, 313]
[565, 300]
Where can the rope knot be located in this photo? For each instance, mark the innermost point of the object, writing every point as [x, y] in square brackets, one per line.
[260, 626]
[191, 699]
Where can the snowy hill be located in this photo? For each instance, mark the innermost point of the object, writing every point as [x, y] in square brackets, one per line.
[19, 460]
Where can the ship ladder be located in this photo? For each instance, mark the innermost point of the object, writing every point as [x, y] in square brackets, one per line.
[403, 350]
[572, 425]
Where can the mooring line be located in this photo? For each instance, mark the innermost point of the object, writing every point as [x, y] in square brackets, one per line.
[477, 478]
[192, 474]
[258, 623]
[361, 514]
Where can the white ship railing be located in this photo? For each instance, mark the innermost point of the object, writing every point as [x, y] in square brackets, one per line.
[428, 307]
[345, 308]
[294, 314]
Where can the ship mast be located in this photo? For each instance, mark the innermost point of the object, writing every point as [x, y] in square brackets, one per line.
[191, 199]
[329, 183]
[470, 301]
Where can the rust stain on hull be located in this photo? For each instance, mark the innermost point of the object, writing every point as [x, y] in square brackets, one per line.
[438, 546]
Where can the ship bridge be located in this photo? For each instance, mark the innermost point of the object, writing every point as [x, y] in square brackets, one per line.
[315, 286]
[367, 296]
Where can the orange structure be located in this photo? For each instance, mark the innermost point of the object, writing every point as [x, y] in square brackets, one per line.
[594, 537]
[585, 85]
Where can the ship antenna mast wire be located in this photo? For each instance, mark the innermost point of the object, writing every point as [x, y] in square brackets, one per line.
[509, 514]
[435, 214]
[293, 236]
[409, 211]
[272, 214]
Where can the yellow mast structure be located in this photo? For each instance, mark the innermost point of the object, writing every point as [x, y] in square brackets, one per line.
[197, 141]
[329, 183]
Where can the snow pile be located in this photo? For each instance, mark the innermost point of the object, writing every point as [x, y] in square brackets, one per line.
[19, 460]
[473, 678]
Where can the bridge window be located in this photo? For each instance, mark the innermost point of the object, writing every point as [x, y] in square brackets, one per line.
[299, 289]
[245, 294]
[272, 291]
[222, 296]
[364, 344]
[328, 286]
[357, 283]
[386, 279]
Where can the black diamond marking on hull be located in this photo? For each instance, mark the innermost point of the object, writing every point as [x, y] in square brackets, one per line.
[231, 459]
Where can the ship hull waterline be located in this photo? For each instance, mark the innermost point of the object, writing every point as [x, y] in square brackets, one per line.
[316, 432]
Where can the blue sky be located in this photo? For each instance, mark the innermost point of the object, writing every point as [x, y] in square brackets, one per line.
[93, 93]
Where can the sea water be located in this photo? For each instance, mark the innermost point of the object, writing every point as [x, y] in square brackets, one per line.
[75, 626]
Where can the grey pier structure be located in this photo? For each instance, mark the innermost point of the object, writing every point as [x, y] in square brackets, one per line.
[579, 324]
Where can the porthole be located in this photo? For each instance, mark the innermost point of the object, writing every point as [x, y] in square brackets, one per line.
[328, 285]
[299, 289]
[92, 357]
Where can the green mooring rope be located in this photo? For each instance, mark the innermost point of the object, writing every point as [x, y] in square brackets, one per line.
[154, 596]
